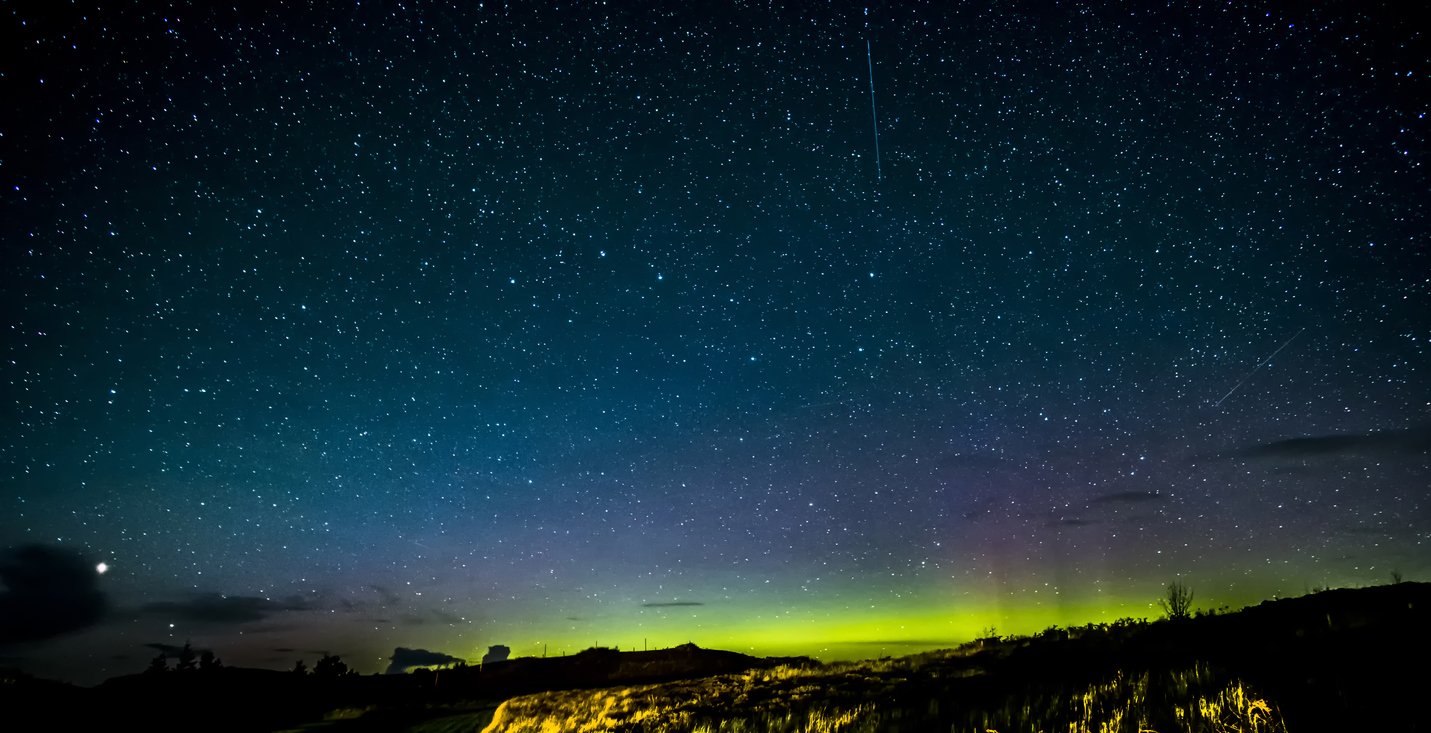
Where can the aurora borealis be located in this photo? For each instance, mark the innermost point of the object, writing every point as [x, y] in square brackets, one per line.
[441, 325]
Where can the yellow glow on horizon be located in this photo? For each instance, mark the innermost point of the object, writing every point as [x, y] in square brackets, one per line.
[823, 633]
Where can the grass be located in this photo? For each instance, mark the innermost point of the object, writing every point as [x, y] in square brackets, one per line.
[898, 695]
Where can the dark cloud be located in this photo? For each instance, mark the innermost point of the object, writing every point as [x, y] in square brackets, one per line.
[1100, 507]
[1127, 497]
[169, 650]
[387, 597]
[214, 608]
[1416, 441]
[671, 604]
[447, 618]
[404, 659]
[271, 628]
[48, 591]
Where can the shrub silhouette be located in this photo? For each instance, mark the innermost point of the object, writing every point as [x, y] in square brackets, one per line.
[186, 660]
[331, 665]
[1177, 601]
[158, 665]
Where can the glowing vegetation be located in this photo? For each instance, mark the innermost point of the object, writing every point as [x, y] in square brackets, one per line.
[910, 694]
[780, 699]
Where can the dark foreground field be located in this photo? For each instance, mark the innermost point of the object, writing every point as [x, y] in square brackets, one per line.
[1352, 659]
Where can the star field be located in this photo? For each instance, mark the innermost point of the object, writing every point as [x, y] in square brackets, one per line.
[550, 325]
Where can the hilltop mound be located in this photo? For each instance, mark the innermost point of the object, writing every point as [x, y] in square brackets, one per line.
[601, 667]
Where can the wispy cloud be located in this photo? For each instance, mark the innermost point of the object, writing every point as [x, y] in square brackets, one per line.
[1127, 497]
[1101, 508]
[1415, 441]
[978, 510]
[447, 618]
[170, 650]
[219, 609]
[671, 604]
[386, 595]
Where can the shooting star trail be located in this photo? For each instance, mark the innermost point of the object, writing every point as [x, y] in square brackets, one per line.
[1259, 366]
[874, 117]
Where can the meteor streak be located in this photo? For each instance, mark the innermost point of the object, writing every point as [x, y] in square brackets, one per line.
[1259, 366]
[874, 117]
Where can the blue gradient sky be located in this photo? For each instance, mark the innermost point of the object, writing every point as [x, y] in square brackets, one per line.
[449, 326]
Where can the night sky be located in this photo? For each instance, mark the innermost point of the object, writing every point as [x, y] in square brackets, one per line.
[427, 326]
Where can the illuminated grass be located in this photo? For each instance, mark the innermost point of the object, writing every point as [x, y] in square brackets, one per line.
[779, 699]
[1185, 701]
[897, 694]
[1232, 710]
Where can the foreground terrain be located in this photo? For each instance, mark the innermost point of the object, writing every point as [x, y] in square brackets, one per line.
[1327, 661]
[1323, 662]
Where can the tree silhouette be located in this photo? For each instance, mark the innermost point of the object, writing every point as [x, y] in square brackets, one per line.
[186, 659]
[331, 665]
[158, 665]
[208, 662]
[300, 669]
[1177, 601]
